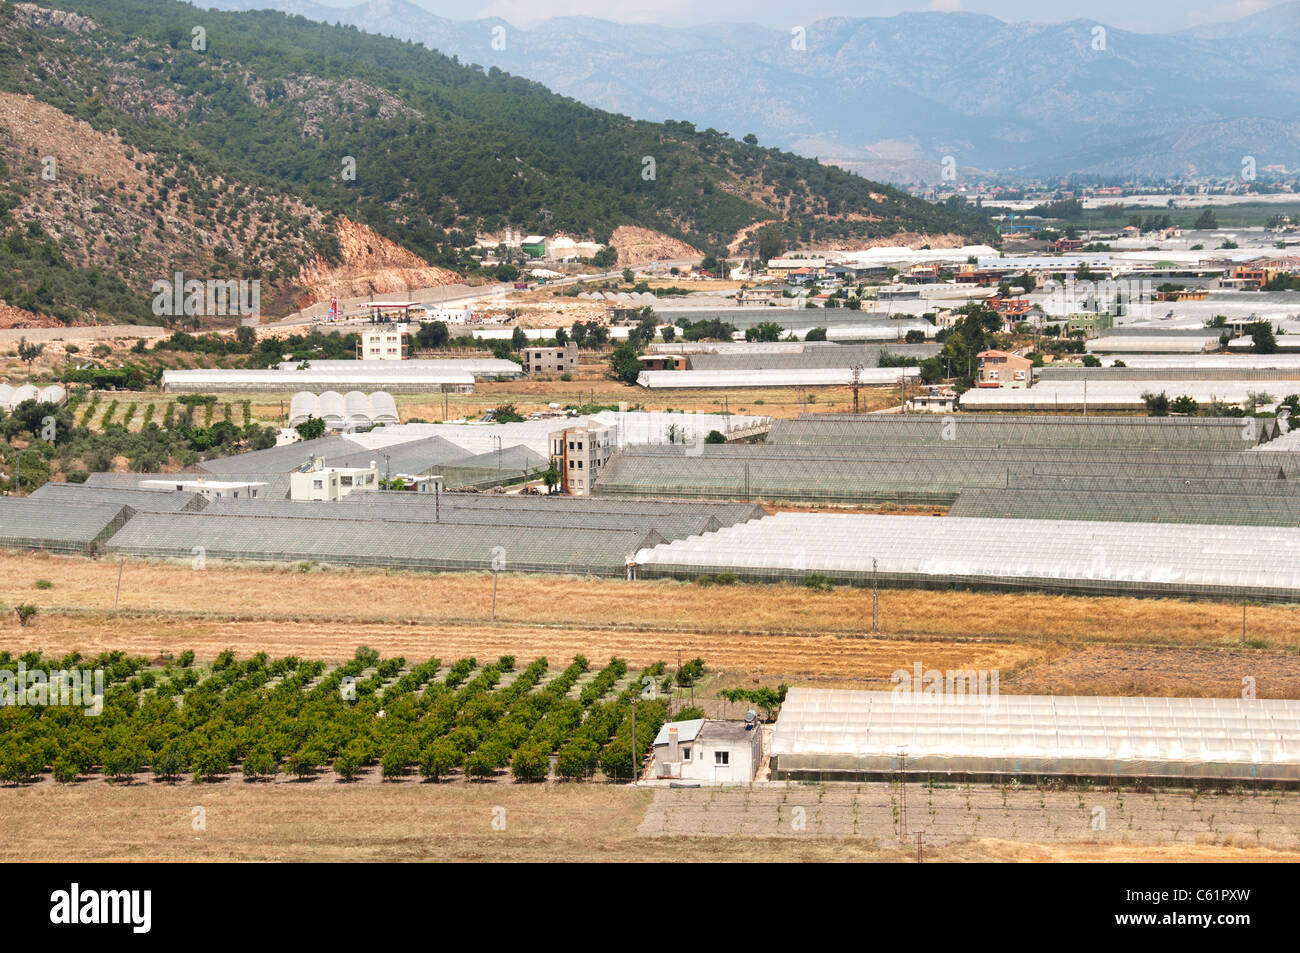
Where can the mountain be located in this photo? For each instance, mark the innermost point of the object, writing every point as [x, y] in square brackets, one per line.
[890, 96]
[252, 143]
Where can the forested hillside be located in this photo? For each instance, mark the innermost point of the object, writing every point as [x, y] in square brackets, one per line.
[252, 133]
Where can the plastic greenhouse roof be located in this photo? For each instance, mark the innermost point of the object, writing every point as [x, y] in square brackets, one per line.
[775, 377]
[1001, 430]
[670, 525]
[1116, 395]
[836, 730]
[1130, 507]
[141, 500]
[1056, 555]
[28, 523]
[921, 474]
[395, 544]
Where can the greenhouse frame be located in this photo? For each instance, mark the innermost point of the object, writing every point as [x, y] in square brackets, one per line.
[1238, 509]
[59, 527]
[846, 735]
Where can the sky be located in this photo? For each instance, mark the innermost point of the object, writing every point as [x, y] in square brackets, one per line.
[1143, 16]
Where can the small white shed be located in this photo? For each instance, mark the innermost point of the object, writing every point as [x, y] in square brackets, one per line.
[703, 750]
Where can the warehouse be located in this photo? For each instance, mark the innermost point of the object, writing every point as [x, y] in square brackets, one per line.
[830, 734]
[1068, 556]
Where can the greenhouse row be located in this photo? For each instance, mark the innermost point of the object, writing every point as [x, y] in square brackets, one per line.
[1236, 508]
[140, 500]
[918, 475]
[995, 430]
[393, 544]
[1072, 556]
[841, 734]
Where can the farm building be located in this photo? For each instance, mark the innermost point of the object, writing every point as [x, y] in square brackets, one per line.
[705, 750]
[837, 734]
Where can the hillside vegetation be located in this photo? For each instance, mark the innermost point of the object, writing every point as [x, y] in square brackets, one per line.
[229, 141]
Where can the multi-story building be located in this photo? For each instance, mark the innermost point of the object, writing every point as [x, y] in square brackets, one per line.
[1002, 369]
[579, 453]
[551, 360]
[388, 342]
[319, 482]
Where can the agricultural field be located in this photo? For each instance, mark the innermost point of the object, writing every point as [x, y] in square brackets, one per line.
[304, 718]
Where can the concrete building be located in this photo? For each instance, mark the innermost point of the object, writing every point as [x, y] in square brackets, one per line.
[1001, 369]
[551, 360]
[702, 750]
[934, 399]
[208, 489]
[319, 482]
[389, 342]
[579, 453]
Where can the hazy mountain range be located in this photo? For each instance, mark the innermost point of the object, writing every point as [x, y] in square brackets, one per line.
[891, 96]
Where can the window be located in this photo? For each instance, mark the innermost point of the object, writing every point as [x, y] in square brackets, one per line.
[721, 757]
[317, 484]
[686, 754]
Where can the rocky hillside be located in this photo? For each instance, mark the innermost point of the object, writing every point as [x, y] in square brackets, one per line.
[319, 160]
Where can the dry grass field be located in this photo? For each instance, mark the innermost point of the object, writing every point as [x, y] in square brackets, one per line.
[546, 823]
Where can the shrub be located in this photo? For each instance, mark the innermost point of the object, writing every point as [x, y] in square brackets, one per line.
[347, 764]
[259, 763]
[43, 584]
[123, 763]
[818, 582]
[438, 760]
[171, 763]
[26, 612]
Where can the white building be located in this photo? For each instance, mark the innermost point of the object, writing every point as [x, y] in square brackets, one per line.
[448, 315]
[700, 750]
[208, 489]
[319, 482]
[388, 342]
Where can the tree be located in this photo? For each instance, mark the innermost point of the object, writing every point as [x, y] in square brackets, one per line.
[259, 763]
[815, 334]
[561, 337]
[1261, 332]
[668, 333]
[629, 276]
[551, 477]
[764, 331]
[770, 242]
[715, 437]
[1157, 404]
[123, 763]
[623, 363]
[438, 760]
[432, 335]
[750, 139]
[1207, 221]
[607, 257]
[518, 339]
[1091, 360]
[1185, 405]
[506, 272]
[27, 353]
[530, 762]
[506, 414]
[311, 428]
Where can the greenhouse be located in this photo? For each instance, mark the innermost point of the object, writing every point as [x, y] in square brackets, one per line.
[394, 544]
[58, 527]
[1107, 394]
[838, 734]
[140, 500]
[918, 474]
[840, 376]
[1238, 508]
[922, 552]
[669, 525]
[352, 410]
[997, 430]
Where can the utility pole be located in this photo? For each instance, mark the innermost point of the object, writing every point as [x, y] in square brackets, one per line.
[495, 575]
[875, 600]
[902, 796]
[116, 595]
[856, 383]
[634, 764]
[919, 836]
